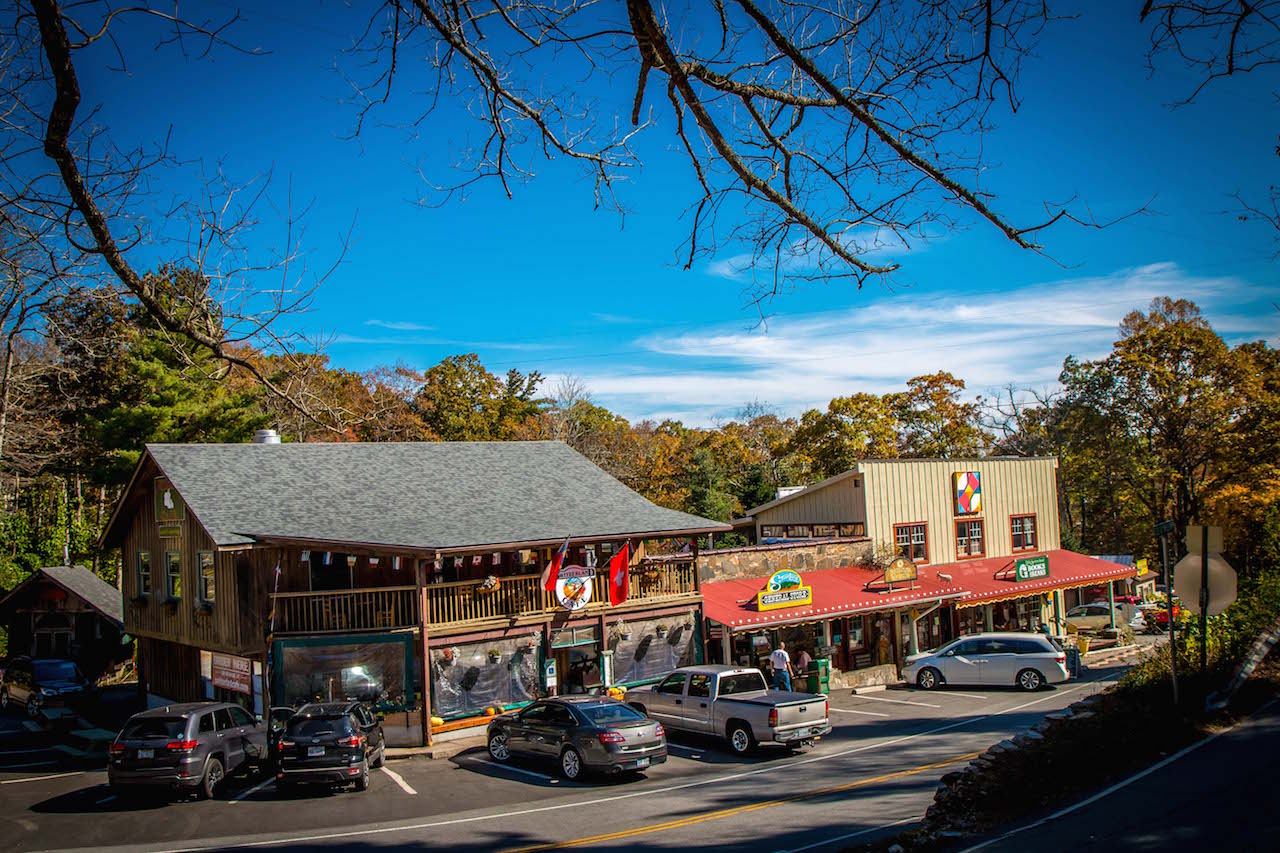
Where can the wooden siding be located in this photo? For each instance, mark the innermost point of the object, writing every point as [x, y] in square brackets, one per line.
[842, 501]
[902, 492]
[220, 627]
[170, 670]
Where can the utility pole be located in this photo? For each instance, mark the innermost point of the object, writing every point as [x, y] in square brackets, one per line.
[1162, 531]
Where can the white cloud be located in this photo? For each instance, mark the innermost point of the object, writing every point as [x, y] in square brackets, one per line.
[988, 339]
[398, 325]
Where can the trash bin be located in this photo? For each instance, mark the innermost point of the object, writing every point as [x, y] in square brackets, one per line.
[818, 678]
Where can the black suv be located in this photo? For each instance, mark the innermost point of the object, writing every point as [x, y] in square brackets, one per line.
[41, 683]
[330, 743]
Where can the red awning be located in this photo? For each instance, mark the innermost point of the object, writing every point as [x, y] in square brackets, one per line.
[990, 580]
[844, 591]
[836, 592]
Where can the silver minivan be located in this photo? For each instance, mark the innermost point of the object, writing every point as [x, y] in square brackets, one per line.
[1029, 661]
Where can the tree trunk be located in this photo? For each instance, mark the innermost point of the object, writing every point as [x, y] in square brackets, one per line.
[4, 393]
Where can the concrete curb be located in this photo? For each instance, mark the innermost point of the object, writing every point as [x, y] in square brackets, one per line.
[1113, 650]
[871, 688]
[437, 752]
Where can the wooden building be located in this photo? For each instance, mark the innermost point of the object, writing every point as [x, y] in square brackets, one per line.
[979, 542]
[67, 612]
[406, 574]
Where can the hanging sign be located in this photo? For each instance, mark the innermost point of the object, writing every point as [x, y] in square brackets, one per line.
[1141, 565]
[231, 673]
[1031, 568]
[784, 589]
[574, 586]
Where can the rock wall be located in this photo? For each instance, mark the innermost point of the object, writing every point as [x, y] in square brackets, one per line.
[760, 561]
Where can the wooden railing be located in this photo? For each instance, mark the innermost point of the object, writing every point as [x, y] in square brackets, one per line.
[346, 610]
[464, 601]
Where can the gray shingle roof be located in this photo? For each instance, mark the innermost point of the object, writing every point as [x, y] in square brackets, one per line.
[429, 495]
[96, 592]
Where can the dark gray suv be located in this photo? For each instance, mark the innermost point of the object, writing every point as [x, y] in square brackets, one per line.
[190, 747]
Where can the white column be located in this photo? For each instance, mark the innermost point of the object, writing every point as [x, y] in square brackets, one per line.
[988, 616]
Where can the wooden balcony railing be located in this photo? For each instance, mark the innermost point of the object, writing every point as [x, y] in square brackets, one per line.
[346, 610]
[464, 601]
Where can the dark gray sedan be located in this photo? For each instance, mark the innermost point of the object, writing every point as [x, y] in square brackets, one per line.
[581, 734]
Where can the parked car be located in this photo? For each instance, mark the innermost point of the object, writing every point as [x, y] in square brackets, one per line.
[190, 747]
[582, 733]
[278, 717]
[1093, 617]
[329, 743]
[1029, 661]
[1157, 618]
[41, 683]
[736, 704]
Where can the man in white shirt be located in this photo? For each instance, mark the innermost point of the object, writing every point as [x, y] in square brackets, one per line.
[781, 662]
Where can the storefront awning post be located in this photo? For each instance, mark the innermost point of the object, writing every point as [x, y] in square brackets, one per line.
[914, 640]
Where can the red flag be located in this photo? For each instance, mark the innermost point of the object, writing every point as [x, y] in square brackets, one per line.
[552, 572]
[619, 575]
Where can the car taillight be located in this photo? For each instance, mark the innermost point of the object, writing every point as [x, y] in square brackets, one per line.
[284, 744]
[659, 730]
[116, 749]
[773, 717]
[1060, 657]
[611, 737]
[354, 740]
[826, 707]
[180, 745]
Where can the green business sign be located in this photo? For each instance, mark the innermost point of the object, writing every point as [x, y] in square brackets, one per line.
[1032, 569]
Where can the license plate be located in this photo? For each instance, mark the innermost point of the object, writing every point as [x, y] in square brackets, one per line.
[644, 762]
[146, 753]
[313, 751]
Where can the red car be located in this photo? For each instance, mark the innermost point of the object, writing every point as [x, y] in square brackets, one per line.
[1161, 616]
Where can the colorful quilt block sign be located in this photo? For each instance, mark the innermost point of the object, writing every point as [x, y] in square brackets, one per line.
[967, 488]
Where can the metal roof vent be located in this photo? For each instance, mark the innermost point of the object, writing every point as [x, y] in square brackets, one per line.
[266, 436]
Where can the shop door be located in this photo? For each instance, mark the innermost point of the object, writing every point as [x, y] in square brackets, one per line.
[578, 670]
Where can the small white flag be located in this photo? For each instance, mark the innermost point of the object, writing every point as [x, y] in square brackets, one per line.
[306, 556]
[395, 563]
[373, 562]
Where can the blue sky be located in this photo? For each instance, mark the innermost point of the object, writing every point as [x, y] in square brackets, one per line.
[543, 282]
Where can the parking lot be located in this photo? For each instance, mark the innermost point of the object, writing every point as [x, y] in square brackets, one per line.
[50, 801]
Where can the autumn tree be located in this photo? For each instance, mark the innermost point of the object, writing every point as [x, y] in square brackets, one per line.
[460, 400]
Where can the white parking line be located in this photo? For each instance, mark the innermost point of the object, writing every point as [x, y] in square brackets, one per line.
[851, 711]
[38, 778]
[965, 695]
[671, 745]
[866, 698]
[399, 780]
[255, 789]
[846, 837]
[553, 780]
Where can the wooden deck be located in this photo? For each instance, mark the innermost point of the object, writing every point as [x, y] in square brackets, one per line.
[452, 604]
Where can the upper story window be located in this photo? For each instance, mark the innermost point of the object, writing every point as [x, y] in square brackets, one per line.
[1023, 529]
[173, 574]
[144, 573]
[912, 541]
[207, 586]
[969, 538]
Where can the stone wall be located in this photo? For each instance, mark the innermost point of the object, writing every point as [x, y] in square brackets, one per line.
[760, 561]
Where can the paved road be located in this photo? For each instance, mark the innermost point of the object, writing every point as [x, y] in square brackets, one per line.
[1219, 796]
[875, 773]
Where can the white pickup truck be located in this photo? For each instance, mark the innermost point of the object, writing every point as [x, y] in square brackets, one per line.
[733, 703]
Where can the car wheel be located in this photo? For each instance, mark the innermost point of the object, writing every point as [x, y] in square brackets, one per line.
[381, 758]
[4, 699]
[571, 764]
[1030, 680]
[499, 747]
[33, 710]
[928, 678]
[741, 740]
[213, 775]
[362, 781]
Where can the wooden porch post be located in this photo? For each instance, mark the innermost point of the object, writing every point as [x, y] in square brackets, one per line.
[420, 576]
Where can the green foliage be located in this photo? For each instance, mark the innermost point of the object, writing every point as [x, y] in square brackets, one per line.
[461, 401]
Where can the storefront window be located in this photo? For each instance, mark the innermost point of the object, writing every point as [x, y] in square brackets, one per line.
[848, 531]
[470, 677]
[368, 669]
[773, 531]
[1023, 528]
[826, 531]
[969, 538]
[912, 541]
[644, 654]
[799, 531]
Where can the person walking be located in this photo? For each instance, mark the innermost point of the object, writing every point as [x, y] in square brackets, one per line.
[781, 663]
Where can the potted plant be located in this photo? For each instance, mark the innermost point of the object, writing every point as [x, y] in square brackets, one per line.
[495, 655]
[529, 644]
[624, 631]
[662, 631]
[447, 655]
[489, 584]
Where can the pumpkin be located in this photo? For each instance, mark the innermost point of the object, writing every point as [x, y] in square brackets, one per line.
[437, 721]
[490, 712]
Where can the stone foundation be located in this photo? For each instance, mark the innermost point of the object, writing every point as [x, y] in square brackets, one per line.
[760, 561]
[867, 677]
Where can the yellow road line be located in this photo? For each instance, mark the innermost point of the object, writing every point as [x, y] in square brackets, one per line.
[738, 810]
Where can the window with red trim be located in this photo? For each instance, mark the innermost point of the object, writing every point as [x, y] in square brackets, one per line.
[912, 541]
[1023, 530]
